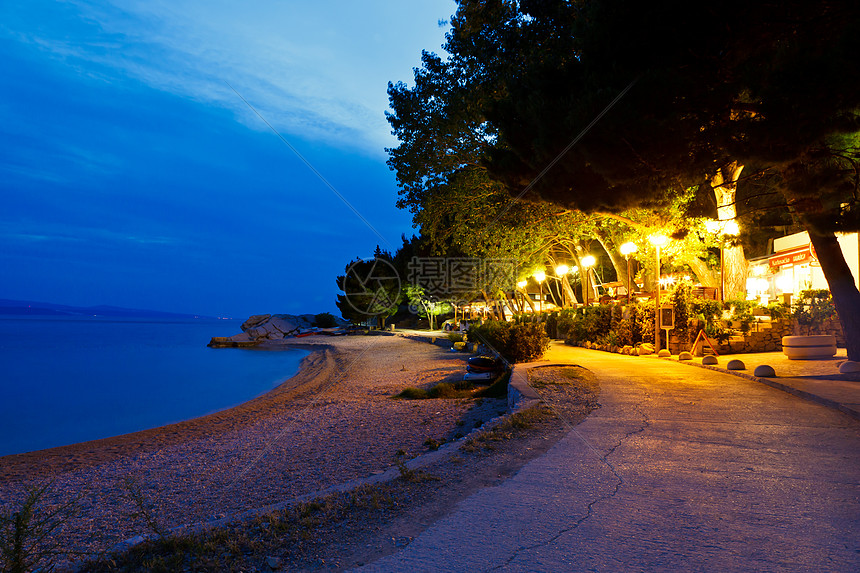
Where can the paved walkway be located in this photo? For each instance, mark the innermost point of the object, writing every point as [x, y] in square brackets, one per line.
[817, 380]
[681, 469]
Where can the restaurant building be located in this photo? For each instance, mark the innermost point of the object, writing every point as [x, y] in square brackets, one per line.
[793, 268]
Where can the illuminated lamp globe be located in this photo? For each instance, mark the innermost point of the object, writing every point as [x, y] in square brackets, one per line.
[522, 284]
[658, 240]
[731, 228]
[562, 270]
[628, 249]
[539, 276]
[588, 261]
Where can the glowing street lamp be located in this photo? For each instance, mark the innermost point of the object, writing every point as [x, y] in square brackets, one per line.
[658, 241]
[587, 262]
[540, 276]
[628, 249]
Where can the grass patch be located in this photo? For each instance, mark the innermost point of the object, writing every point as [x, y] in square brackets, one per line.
[499, 387]
[508, 428]
[544, 376]
[247, 545]
[411, 393]
[445, 390]
[26, 542]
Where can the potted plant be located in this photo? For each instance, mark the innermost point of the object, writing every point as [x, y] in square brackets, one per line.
[810, 311]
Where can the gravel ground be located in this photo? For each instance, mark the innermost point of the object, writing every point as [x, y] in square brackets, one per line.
[341, 531]
[332, 422]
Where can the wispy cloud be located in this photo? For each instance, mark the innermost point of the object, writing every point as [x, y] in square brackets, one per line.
[316, 70]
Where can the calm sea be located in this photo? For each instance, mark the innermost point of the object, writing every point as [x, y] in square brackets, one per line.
[70, 380]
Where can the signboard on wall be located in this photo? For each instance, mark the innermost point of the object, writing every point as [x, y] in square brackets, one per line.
[793, 257]
[667, 317]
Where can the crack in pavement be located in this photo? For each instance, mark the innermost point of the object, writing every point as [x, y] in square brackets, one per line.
[646, 423]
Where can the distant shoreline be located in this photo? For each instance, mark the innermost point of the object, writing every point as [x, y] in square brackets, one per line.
[23, 308]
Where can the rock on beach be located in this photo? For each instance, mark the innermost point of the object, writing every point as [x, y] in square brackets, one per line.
[265, 327]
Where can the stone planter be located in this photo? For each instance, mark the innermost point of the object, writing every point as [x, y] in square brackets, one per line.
[809, 347]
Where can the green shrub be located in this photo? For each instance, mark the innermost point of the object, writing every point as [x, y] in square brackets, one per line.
[616, 315]
[643, 322]
[778, 310]
[515, 342]
[455, 336]
[707, 310]
[681, 303]
[812, 308]
[325, 320]
[527, 343]
[551, 325]
[624, 330]
[565, 322]
[590, 323]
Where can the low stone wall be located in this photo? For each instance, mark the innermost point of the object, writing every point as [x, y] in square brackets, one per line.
[766, 338]
[834, 327]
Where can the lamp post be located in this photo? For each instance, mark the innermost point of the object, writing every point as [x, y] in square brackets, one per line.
[628, 249]
[658, 241]
[560, 272]
[540, 276]
[587, 262]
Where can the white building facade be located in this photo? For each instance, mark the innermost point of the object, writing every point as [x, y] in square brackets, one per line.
[793, 268]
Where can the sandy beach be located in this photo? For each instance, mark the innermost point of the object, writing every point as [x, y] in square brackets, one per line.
[332, 422]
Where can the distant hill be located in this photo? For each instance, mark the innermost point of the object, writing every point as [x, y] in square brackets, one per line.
[32, 308]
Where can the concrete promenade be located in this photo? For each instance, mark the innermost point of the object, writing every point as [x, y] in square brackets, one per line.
[682, 468]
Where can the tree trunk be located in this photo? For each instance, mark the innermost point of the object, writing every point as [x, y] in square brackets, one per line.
[491, 304]
[846, 297]
[703, 273]
[592, 286]
[552, 294]
[528, 299]
[570, 296]
[725, 185]
[516, 307]
[507, 302]
[619, 263]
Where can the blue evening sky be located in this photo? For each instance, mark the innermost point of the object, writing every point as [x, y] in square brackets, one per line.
[132, 175]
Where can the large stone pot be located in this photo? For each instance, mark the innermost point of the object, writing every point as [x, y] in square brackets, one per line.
[813, 347]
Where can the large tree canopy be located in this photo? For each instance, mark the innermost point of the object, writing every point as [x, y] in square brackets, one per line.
[607, 105]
